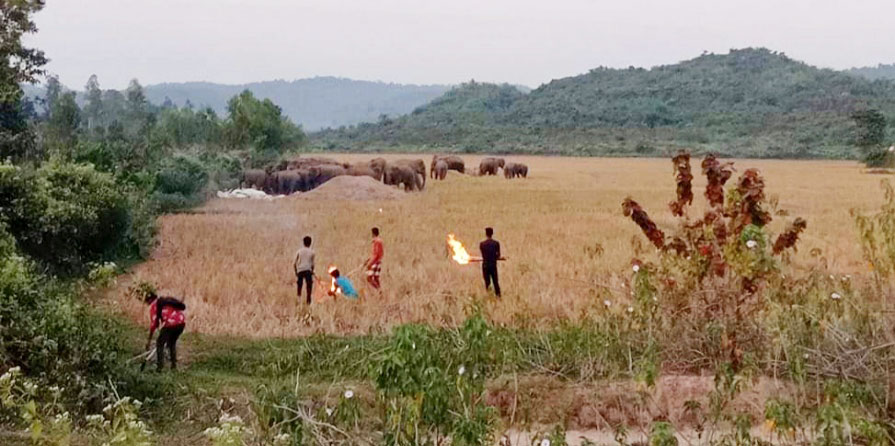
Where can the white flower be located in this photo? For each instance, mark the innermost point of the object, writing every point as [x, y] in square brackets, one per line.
[545, 442]
[413, 346]
[329, 412]
[805, 356]
[226, 418]
[461, 370]
[630, 309]
[380, 210]
[835, 296]
[832, 277]
[892, 148]
[607, 303]
[349, 394]
[635, 268]
[751, 244]
[655, 299]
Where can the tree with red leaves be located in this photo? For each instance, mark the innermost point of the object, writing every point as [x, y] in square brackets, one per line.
[653, 233]
[717, 175]
[684, 177]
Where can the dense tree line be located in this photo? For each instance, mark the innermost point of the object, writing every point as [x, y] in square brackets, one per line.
[750, 102]
[81, 185]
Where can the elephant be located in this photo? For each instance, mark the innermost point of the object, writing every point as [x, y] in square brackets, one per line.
[440, 170]
[489, 166]
[254, 178]
[508, 170]
[453, 162]
[417, 165]
[378, 166]
[396, 175]
[363, 169]
[323, 173]
[290, 181]
[513, 170]
[299, 163]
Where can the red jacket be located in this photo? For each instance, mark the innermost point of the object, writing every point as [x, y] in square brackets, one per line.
[378, 251]
[171, 317]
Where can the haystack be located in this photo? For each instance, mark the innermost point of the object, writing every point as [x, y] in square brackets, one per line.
[354, 188]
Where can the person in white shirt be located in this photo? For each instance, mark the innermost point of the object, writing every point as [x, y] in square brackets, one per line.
[304, 267]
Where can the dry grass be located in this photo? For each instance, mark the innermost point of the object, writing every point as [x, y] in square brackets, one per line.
[231, 260]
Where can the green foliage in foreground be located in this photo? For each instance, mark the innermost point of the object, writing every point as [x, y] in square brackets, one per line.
[748, 103]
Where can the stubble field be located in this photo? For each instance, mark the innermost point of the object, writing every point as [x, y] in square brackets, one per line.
[567, 242]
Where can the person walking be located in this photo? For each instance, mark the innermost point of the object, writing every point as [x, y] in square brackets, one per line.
[373, 265]
[304, 268]
[490, 249]
[167, 312]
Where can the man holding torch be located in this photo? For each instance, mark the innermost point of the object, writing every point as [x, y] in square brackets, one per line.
[490, 249]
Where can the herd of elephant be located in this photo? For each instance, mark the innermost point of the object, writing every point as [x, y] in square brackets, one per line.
[307, 173]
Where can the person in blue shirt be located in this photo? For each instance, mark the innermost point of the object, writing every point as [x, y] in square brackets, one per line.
[342, 284]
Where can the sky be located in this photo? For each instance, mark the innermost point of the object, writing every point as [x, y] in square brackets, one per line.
[525, 42]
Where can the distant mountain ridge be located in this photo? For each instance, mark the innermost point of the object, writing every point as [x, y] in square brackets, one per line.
[315, 103]
[881, 71]
[752, 102]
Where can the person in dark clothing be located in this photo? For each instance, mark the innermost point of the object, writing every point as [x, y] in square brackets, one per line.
[490, 249]
[303, 265]
[167, 312]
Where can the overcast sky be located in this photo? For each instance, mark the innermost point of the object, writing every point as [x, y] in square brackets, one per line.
[525, 42]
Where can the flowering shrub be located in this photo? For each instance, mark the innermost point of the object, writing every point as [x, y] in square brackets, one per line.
[230, 431]
[119, 425]
[40, 412]
[712, 272]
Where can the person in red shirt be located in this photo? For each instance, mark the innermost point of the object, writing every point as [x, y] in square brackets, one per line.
[167, 312]
[373, 265]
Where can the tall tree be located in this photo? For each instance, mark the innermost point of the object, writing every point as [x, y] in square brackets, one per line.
[63, 124]
[93, 108]
[870, 127]
[138, 114]
[53, 92]
[260, 125]
[18, 64]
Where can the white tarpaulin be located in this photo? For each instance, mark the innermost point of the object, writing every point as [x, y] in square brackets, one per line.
[247, 193]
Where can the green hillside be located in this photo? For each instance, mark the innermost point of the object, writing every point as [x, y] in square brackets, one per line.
[750, 102]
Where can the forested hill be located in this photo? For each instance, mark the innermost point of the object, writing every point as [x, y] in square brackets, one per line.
[880, 71]
[314, 103]
[750, 102]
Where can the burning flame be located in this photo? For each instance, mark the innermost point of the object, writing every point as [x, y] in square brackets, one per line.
[459, 252]
[333, 288]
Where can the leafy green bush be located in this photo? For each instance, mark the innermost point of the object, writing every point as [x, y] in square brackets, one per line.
[181, 174]
[63, 215]
[432, 391]
[179, 182]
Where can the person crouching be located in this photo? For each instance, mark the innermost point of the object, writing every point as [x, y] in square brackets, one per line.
[342, 284]
[166, 312]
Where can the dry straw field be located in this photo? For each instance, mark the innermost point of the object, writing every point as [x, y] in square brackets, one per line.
[568, 245]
